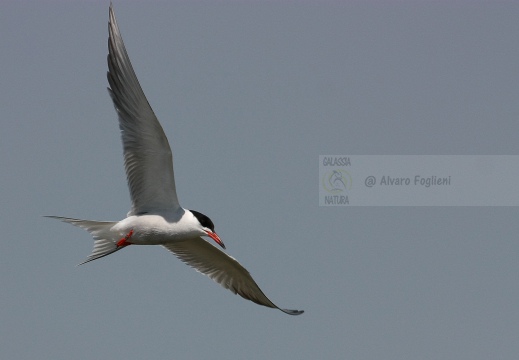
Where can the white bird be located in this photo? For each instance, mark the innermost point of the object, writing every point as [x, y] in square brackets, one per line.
[156, 217]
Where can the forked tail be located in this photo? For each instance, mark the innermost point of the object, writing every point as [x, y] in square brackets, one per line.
[104, 243]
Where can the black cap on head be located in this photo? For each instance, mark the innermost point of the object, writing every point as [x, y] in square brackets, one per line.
[203, 220]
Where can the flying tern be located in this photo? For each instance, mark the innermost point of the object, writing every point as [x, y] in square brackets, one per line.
[156, 217]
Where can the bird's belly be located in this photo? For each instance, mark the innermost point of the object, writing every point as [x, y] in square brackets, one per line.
[150, 230]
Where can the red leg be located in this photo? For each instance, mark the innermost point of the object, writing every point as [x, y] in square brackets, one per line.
[124, 240]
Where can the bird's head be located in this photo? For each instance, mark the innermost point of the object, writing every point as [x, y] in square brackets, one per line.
[207, 226]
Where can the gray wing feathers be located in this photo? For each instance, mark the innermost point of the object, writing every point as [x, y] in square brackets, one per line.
[222, 268]
[147, 154]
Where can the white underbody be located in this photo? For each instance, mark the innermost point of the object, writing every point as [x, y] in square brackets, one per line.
[157, 229]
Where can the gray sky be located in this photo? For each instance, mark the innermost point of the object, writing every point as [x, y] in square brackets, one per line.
[250, 94]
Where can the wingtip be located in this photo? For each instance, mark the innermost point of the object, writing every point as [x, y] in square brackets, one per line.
[60, 218]
[111, 14]
[292, 312]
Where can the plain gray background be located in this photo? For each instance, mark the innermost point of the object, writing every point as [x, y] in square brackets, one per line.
[250, 93]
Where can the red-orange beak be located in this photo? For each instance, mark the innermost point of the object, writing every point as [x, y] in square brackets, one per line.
[216, 238]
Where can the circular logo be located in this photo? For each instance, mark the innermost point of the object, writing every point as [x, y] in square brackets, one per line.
[336, 181]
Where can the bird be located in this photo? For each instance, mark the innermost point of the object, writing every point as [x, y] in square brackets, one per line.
[155, 216]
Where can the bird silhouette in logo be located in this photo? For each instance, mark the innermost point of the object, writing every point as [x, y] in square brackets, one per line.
[337, 181]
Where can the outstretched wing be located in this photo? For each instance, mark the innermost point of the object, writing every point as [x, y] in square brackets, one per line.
[222, 268]
[147, 155]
